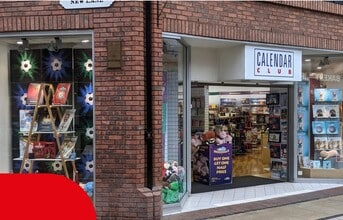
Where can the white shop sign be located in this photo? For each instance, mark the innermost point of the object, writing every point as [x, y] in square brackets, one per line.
[263, 63]
[81, 4]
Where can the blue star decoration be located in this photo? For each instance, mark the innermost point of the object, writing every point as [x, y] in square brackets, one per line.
[20, 95]
[55, 66]
[86, 167]
[85, 99]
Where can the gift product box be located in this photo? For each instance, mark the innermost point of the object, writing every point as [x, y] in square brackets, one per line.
[332, 111]
[43, 149]
[334, 95]
[320, 143]
[321, 95]
[332, 127]
[318, 127]
[320, 111]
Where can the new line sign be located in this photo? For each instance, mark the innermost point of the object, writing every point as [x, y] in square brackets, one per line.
[81, 4]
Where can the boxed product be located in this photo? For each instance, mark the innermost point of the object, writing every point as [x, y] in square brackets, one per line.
[332, 111]
[320, 111]
[321, 95]
[318, 127]
[326, 164]
[320, 143]
[315, 164]
[334, 143]
[334, 95]
[332, 127]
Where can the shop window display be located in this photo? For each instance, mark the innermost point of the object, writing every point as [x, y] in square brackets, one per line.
[319, 128]
[70, 66]
[174, 172]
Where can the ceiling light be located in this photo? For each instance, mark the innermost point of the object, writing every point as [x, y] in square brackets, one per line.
[307, 60]
[85, 41]
[55, 46]
[23, 44]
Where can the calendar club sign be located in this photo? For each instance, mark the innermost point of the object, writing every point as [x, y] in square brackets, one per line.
[273, 63]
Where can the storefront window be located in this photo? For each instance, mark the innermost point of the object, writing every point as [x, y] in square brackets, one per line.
[174, 172]
[319, 116]
[60, 68]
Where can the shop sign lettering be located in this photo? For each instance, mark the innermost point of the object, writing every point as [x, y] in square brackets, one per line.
[325, 77]
[273, 63]
[80, 4]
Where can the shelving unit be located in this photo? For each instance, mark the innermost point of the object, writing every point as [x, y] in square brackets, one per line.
[278, 134]
[326, 129]
[46, 91]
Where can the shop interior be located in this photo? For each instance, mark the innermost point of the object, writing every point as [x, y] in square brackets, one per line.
[243, 112]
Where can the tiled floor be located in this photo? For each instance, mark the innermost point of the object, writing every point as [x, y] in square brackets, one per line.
[248, 194]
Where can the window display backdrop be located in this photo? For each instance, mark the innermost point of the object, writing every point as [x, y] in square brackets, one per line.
[73, 66]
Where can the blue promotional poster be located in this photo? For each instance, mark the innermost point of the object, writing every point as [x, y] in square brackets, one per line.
[213, 164]
[221, 164]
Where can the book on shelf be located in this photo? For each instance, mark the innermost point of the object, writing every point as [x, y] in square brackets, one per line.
[44, 149]
[61, 94]
[32, 94]
[25, 120]
[67, 146]
[66, 120]
[45, 123]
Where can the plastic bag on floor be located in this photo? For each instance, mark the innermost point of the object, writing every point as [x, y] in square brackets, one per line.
[171, 194]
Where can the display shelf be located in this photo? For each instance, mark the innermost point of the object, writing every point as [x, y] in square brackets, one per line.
[326, 127]
[34, 147]
[47, 159]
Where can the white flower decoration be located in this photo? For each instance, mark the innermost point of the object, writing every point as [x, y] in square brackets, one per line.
[90, 132]
[89, 98]
[23, 98]
[56, 64]
[88, 65]
[25, 66]
[90, 166]
[57, 166]
[27, 165]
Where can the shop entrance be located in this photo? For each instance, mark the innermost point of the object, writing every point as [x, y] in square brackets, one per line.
[254, 120]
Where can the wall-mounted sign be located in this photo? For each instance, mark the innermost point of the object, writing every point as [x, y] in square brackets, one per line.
[272, 64]
[80, 4]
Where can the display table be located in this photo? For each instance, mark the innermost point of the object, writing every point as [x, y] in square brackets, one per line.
[213, 165]
[322, 173]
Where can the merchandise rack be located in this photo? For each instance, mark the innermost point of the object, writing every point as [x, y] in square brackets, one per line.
[47, 91]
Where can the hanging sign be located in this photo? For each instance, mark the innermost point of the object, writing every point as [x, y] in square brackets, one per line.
[273, 64]
[81, 4]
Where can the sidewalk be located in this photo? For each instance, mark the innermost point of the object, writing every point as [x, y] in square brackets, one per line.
[321, 204]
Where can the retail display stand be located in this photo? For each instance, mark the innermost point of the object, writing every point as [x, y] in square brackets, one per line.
[326, 128]
[41, 98]
[278, 134]
[213, 165]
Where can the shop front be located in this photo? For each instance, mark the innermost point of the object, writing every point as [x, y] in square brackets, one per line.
[171, 98]
[255, 99]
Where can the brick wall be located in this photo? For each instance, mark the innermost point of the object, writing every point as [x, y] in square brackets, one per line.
[120, 191]
[305, 24]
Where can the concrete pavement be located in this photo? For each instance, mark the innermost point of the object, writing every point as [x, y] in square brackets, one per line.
[326, 208]
[321, 204]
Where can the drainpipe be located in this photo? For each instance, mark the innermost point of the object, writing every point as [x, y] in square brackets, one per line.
[148, 98]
